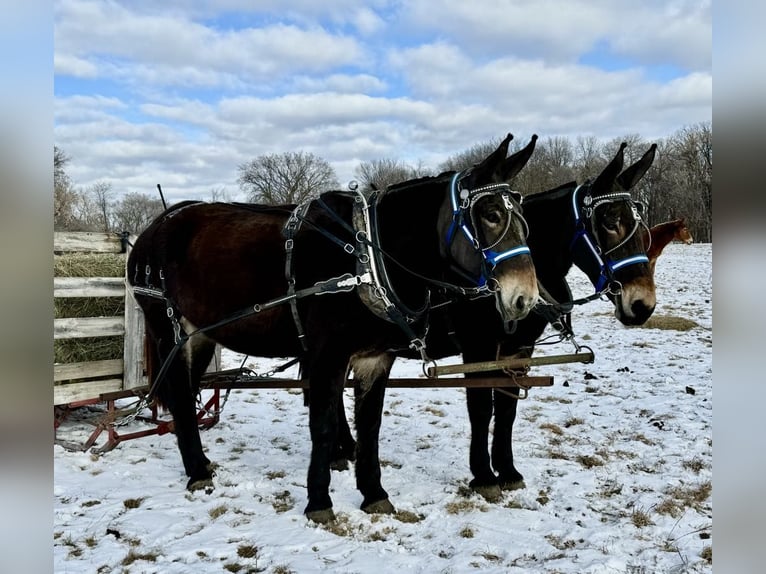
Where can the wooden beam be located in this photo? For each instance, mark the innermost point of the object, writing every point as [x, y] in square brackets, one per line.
[87, 370]
[88, 287]
[65, 394]
[86, 241]
[278, 383]
[79, 327]
[438, 371]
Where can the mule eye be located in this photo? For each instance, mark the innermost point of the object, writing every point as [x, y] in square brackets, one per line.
[492, 217]
[611, 226]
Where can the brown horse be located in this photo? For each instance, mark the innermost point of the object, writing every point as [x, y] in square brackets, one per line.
[345, 274]
[664, 233]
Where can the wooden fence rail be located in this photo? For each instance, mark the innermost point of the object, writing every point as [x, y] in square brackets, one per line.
[85, 381]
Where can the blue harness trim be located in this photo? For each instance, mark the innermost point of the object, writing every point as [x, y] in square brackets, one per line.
[492, 258]
[608, 267]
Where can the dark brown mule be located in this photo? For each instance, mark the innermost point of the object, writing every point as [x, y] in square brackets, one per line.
[664, 233]
[359, 269]
[595, 226]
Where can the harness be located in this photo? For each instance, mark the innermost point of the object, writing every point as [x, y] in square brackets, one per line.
[463, 202]
[371, 279]
[584, 219]
[558, 314]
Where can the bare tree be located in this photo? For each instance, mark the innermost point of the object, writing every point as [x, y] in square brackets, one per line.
[134, 212]
[589, 157]
[289, 177]
[64, 195]
[551, 164]
[471, 156]
[691, 180]
[101, 194]
[380, 173]
[220, 194]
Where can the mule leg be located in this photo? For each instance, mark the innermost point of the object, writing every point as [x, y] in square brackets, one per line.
[345, 446]
[369, 393]
[502, 442]
[325, 389]
[480, 415]
[344, 449]
[177, 393]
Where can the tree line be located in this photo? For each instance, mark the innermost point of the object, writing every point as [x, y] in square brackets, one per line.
[679, 184]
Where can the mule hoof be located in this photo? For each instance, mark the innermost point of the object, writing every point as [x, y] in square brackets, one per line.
[321, 516]
[490, 493]
[513, 485]
[380, 507]
[339, 464]
[205, 484]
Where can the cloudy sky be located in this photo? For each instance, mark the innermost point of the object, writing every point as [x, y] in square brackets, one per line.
[181, 92]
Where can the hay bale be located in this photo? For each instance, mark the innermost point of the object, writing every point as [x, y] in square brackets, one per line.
[88, 265]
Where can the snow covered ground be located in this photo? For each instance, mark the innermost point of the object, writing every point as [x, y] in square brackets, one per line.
[617, 459]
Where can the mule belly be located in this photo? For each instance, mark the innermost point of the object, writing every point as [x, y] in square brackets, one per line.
[275, 337]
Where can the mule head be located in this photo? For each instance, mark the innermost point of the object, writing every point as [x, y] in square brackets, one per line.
[613, 238]
[486, 232]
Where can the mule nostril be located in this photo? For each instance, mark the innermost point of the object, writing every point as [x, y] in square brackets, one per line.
[520, 303]
[641, 311]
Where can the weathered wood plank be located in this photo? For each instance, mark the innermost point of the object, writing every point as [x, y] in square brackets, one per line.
[88, 287]
[275, 383]
[79, 327]
[134, 338]
[439, 370]
[210, 382]
[86, 241]
[87, 369]
[64, 394]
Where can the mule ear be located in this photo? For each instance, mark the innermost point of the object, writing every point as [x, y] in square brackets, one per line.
[513, 164]
[633, 174]
[605, 180]
[492, 162]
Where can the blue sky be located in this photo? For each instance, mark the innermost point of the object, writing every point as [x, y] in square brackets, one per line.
[182, 92]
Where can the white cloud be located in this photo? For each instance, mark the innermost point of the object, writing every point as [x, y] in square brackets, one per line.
[68, 65]
[430, 79]
[184, 51]
[653, 31]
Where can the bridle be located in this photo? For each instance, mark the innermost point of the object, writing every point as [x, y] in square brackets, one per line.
[463, 201]
[585, 237]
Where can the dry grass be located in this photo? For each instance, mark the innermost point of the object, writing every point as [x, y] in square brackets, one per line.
[133, 556]
[640, 518]
[555, 429]
[283, 501]
[132, 502]
[681, 497]
[669, 323]
[88, 265]
[408, 517]
[247, 551]
[218, 511]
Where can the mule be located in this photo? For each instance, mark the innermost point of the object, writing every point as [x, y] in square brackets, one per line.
[347, 273]
[662, 234]
[595, 226]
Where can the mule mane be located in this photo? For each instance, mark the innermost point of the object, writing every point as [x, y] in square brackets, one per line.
[554, 193]
[429, 179]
